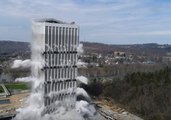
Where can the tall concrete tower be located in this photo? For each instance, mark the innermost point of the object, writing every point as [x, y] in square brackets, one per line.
[57, 43]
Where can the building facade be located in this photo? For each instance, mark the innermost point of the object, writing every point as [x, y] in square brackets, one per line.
[57, 43]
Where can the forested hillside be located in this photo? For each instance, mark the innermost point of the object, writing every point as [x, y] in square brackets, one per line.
[146, 94]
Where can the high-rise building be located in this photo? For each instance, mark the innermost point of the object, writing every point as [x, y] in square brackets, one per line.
[57, 43]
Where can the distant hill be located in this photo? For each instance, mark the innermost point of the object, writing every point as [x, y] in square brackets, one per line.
[140, 49]
[14, 47]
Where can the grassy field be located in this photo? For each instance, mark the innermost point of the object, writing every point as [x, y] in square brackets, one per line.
[19, 86]
[1, 89]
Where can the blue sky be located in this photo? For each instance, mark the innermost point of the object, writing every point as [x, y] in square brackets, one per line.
[105, 21]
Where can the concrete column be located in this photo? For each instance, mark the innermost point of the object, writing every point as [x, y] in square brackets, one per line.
[51, 46]
[64, 73]
[57, 74]
[69, 44]
[62, 39]
[54, 44]
[49, 86]
[64, 45]
[76, 72]
[69, 72]
[47, 72]
[60, 73]
[73, 40]
[66, 39]
[58, 38]
[52, 90]
[48, 38]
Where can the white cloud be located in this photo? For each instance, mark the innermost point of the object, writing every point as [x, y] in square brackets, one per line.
[110, 18]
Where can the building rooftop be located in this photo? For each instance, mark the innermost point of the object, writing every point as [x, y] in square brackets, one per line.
[52, 20]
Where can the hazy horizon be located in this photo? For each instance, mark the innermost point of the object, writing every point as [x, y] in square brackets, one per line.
[95, 42]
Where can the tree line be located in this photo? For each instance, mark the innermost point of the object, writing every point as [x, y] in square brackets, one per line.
[147, 94]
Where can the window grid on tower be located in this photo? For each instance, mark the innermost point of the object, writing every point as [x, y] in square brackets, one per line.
[60, 55]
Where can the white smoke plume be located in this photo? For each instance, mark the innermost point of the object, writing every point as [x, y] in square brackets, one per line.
[80, 49]
[34, 106]
[24, 79]
[81, 64]
[22, 63]
[85, 109]
[82, 79]
[35, 82]
[26, 64]
[81, 91]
